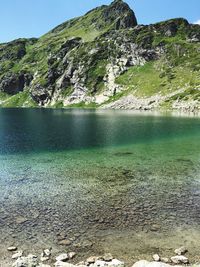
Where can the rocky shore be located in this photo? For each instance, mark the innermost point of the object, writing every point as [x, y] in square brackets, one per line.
[47, 258]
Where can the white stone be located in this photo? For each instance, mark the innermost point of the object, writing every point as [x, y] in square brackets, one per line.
[113, 263]
[43, 265]
[12, 248]
[17, 255]
[71, 254]
[62, 257]
[92, 259]
[29, 261]
[107, 257]
[179, 259]
[180, 251]
[47, 252]
[144, 263]
[156, 257]
[63, 264]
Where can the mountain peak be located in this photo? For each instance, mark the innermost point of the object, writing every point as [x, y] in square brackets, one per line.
[119, 13]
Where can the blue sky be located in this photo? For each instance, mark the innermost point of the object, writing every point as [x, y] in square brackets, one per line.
[33, 18]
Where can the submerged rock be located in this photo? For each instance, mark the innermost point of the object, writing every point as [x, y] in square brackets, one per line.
[64, 242]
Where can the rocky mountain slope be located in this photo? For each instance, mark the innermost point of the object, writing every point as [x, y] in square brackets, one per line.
[105, 59]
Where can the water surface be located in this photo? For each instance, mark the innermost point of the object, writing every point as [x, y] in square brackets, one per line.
[102, 180]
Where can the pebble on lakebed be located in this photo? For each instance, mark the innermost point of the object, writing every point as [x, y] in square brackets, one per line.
[107, 260]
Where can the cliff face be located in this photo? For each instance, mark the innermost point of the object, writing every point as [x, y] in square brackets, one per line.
[104, 59]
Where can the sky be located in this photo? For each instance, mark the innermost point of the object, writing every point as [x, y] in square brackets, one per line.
[33, 18]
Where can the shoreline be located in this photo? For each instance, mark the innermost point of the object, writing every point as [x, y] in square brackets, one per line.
[48, 258]
[150, 112]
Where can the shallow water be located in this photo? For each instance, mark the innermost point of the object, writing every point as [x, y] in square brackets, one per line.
[103, 180]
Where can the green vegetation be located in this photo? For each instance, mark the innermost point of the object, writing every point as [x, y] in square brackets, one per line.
[21, 99]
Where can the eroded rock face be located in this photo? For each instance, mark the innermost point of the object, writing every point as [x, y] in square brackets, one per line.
[13, 83]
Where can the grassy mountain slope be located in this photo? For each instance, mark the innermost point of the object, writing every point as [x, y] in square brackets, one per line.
[102, 57]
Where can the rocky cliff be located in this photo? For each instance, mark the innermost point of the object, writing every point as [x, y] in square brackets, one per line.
[104, 59]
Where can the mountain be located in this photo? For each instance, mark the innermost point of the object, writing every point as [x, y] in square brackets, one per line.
[105, 59]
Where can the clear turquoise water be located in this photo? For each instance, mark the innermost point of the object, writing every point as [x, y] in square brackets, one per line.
[124, 182]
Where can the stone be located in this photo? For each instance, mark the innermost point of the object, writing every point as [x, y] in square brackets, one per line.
[12, 248]
[80, 263]
[112, 263]
[17, 255]
[181, 251]
[47, 252]
[64, 242]
[92, 259]
[179, 259]
[87, 243]
[43, 265]
[158, 264]
[43, 259]
[156, 257]
[63, 264]
[29, 261]
[45, 255]
[144, 263]
[21, 220]
[107, 257]
[71, 255]
[166, 260]
[62, 257]
[155, 227]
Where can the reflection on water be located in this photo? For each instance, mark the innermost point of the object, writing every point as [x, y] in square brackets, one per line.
[99, 181]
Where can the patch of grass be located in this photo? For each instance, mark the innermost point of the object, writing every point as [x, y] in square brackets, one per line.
[158, 78]
[22, 99]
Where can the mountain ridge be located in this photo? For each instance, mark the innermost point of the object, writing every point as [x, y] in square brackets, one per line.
[104, 56]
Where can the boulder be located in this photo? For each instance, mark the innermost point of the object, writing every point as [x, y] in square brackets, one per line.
[156, 257]
[62, 257]
[179, 259]
[107, 257]
[181, 251]
[29, 261]
[71, 255]
[17, 255]
[92, 259]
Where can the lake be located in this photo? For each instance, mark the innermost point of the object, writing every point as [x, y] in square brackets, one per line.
[99, 181]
